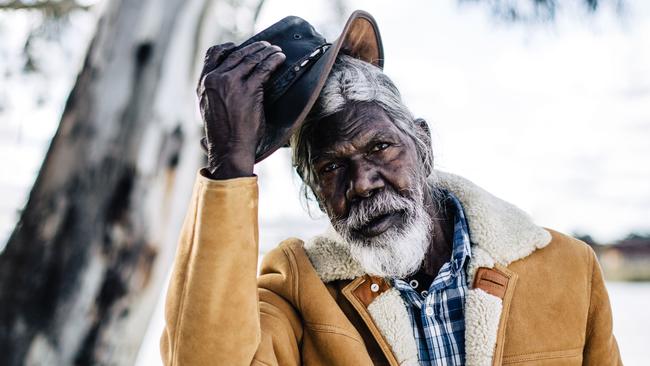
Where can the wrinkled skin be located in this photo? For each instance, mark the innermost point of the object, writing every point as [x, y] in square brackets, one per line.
[358, 152]
[230, 98]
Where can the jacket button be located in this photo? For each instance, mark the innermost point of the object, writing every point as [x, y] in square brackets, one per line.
[374, 287]
[414, 283]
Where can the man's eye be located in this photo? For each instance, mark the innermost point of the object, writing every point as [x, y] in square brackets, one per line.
[330, 167]
[380, 146]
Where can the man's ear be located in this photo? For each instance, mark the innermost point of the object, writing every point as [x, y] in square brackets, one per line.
[422, 124]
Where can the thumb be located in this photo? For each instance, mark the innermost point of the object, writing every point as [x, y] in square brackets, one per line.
[204, 145]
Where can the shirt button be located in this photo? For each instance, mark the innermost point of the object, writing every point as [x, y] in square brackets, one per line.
[429, 311]
[374, 287]
[424, 293]
[414, 283]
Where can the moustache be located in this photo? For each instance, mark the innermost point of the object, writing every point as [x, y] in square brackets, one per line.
[382, 203]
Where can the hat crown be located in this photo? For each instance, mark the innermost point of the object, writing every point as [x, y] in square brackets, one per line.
[294, 35]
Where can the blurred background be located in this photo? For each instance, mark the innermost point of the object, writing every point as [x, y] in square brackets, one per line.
[544, 103]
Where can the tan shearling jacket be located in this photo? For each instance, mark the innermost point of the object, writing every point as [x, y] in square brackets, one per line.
[536, 297]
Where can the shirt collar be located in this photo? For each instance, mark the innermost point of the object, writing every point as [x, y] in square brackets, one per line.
[460, 251]
[461, 245]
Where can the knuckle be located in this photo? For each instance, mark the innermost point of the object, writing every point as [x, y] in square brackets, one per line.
[271, 51]
[237, 54]
[273, 61]
[265, 53]
[265, 68]
[252, 58]
[214, 52]
[212, 80]
[210, 51]
[220, 47]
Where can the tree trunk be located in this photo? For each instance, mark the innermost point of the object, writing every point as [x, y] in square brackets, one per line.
[85, 264]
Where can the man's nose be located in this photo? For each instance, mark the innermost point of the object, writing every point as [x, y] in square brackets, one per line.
[364, 182]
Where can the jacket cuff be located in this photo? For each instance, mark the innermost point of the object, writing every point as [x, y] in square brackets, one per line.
[203, 177]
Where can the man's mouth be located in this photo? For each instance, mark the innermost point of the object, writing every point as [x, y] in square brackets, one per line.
[379, 224]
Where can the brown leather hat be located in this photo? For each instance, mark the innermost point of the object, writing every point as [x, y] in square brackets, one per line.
[294, 87]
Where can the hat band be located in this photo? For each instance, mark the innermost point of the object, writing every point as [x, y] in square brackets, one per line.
[280, 84]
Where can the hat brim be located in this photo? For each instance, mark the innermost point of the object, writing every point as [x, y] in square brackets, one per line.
[360, 38]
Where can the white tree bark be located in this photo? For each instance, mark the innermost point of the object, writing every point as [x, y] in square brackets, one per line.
[84, 267]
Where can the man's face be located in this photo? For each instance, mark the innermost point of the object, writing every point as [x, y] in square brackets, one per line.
[370, 181]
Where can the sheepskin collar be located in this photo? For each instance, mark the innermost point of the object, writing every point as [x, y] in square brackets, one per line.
[499, 231]
[500, 234]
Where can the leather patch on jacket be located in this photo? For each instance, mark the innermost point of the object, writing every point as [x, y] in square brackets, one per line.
[491, 281]
[370, 289]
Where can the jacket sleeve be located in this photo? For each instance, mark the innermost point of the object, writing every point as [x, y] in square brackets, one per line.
[601, 347]
[213, 311]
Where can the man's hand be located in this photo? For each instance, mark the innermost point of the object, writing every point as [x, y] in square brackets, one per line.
[230, 95]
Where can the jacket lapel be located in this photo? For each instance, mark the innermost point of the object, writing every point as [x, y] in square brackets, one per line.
[486, 313]
[382, 309]
[506, 301]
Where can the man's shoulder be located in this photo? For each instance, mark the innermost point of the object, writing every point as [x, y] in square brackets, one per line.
[320, 258]
[564, 255]
[568, 246]
[284, 253]
[292, 257]
[553, 282]
[567, 242]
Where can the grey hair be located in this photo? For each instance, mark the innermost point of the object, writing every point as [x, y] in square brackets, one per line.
[355, 81]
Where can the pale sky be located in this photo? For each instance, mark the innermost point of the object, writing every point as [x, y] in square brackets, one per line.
[553, 118]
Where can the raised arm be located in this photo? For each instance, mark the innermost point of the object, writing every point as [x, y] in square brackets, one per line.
[215, 313]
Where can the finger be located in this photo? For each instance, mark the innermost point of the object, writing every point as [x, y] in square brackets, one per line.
[236, 56]
[213, 56]
[264, 69]
[250, 61]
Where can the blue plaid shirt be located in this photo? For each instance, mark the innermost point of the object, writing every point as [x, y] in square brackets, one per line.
[438, 315]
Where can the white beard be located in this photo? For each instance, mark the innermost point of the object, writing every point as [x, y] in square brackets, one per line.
[397, 252]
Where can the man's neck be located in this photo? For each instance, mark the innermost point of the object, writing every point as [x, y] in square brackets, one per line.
[442, 232]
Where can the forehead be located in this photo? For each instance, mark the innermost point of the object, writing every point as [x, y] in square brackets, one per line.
[357, 122]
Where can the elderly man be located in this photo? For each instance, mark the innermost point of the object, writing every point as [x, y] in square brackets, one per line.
[419, 266]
